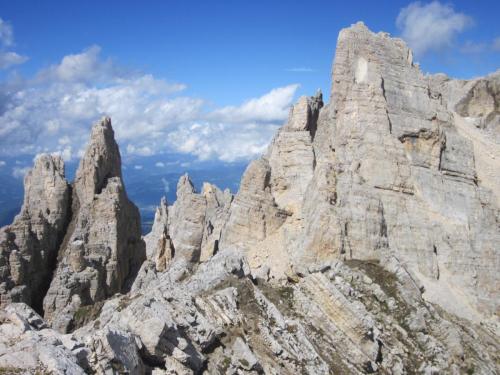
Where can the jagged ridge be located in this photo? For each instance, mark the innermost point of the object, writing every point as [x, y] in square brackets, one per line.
[363, 241]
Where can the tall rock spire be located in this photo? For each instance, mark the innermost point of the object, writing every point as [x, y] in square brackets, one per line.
[103, 249]
[28, 247]
[101, 162]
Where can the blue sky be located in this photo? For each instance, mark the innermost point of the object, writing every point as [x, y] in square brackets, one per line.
[212, 79]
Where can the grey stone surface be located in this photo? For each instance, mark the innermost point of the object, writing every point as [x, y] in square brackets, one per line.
[365, 240]
[103, 249]
[29, 246]
[392, 167]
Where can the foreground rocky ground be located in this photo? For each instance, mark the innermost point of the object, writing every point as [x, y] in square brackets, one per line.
[364, 241]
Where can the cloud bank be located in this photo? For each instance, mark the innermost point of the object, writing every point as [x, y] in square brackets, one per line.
[53, 112]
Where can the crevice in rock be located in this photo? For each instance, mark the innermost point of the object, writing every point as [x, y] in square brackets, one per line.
[382, 86]
[368, 368]
[383, 224]
[434, 249]
[74, 210]
[380, 357]
[133, 267]
[151, 361]
[389, 120]
[216, 247]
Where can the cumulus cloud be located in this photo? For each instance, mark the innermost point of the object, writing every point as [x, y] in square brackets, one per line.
[8, 59]
[2, 163]
[236, 132]
[53, 112]
[81, 67]
[270, 107]
[223, 141]
[432, 26]
[160, 164]
[138, 167]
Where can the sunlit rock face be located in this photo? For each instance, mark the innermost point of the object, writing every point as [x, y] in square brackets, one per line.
[102, 250]
[365, 240]
[29, 246]
[387, 168]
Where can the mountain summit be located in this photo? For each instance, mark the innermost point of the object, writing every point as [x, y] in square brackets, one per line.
[365, 240]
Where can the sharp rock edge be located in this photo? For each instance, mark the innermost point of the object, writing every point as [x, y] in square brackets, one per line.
[365, 240]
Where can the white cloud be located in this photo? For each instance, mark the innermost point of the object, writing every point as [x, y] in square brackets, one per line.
[138, 167]
[81, 67]
[270, 107]
[2, 163]
[65, 153]
[236, 132]
[20, 172]
[6, 33]
[495, 46]
[142, 151]
[54, 111]
[8, 58]
[160, 164]
[431, 26]
[226, 142]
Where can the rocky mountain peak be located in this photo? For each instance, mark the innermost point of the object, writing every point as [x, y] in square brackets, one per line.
[44, 181]
[29, 246]
[103, 249]
[185, 186]
[365, 240]
[304, 114]
[100, 162]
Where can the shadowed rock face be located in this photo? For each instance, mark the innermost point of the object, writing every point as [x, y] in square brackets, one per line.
[28, 247]
[103, 249]
[365, 240]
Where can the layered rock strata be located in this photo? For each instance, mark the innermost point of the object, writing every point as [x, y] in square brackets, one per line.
[388, 169]
[365, 240]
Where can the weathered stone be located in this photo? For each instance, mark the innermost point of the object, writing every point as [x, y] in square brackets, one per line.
[103, 249]
[390, 168]
[363, 241]
[159, 247]
[28, 247]
[28, 346]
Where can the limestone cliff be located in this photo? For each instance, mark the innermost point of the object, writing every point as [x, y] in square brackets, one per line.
[385, 169]
[365, 240]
